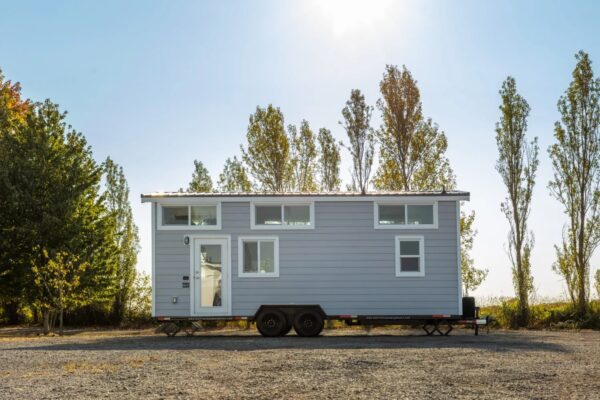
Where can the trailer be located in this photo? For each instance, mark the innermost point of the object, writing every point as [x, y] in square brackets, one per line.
[296, 260]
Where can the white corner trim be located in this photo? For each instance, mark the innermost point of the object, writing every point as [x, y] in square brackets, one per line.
[376, 205]
[189, 226]
[421, 239]
[153, 255]
[282, 204]
[241, 240]
[459, 259]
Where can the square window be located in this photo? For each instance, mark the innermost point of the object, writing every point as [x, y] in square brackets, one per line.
[268, 215]
[296, 215]
[258, 257]
[175, 215]
[204, 215]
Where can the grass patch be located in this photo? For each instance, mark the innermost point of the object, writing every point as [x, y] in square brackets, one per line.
[555, 315]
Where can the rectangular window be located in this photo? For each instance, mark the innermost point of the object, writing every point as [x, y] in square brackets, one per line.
[258, 257]
[405, 216]
[282, 216]
[193, 217]
[175, 215]
[204, 215]
[410, 256]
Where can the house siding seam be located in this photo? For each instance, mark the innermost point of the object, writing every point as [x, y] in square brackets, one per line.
[344, 264]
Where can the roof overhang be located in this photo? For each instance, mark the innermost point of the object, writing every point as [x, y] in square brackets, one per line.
[190, 198]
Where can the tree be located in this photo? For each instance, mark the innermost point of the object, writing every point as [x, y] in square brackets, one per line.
[268, 151]
[13, 110]
[598, 283]
[126, 236]
[471, 276]
[59, 282]
[201, 182]
[329, 161]
[576, 184]
[139, 307]
[357, 123]
[234, 177]
[303, 153]
[412, 152]
[517, 165]
[49, 191]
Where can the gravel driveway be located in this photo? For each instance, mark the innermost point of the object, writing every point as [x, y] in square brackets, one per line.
[385, 363]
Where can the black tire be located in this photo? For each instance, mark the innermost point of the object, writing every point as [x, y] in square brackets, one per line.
[308, 323]
[272, 323]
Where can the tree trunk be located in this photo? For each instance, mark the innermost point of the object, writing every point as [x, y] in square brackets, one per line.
[46, 318]
[11, 311]
[60, 322]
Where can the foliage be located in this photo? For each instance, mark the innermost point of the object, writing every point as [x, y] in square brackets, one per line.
[517, 165]
[139, 306]
[268, 151]
[49, 191]
[576, 163]
[329, 161]
[59, 286]
[472, 277]
[597, 284]
[412, 152]
[544, 316]
[303, 153]
[201, 181]
[126, 235]
[234, 177]
[357, 123]
[13, 108]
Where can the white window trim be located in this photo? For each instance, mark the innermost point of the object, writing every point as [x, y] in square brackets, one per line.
[189, 226]
[253, 224]
[241, 240]
[376, 224]
[421, 271]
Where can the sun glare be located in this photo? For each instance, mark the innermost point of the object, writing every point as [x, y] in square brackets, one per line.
[347, 16]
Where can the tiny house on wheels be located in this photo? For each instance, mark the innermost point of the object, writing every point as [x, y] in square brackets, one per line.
[298, 259]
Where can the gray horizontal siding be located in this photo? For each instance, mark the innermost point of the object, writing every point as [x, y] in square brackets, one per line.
[344, 264]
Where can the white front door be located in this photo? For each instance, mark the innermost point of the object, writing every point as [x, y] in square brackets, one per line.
[210, 271]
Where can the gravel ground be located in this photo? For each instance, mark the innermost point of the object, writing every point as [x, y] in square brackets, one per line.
[385, 363]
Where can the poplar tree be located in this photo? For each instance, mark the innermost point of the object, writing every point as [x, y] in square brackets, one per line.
[517, 165]
[412, 150]
[126, 236]
[234, 177]
[576, 184]
[267, 154]
[329, 161]
[303, 153]
[471, 276]
[201, 181]
[357, 123]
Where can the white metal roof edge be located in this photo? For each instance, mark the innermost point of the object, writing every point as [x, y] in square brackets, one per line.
[189, 198]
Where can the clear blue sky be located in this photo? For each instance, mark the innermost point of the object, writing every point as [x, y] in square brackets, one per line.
[156, 85]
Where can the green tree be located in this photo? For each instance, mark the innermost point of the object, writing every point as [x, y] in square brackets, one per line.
[13, 110]
[329, 161]
[412, 152]
[303, 153]
[576, 163]
[49, 188]
[201, 181]
[139, 307]
[126, 236]
[472, 277]
[598, 283]
[517, 165]
[357, 123]
[268, 151]
[59, 282]
[234, 177]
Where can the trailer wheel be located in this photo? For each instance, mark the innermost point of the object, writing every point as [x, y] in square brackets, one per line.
[272, 323]
[308, 323]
